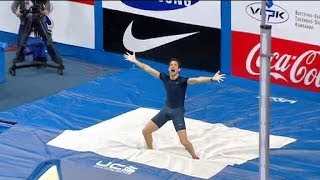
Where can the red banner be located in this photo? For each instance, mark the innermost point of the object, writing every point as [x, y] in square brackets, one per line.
[90, 2]
[293, 64]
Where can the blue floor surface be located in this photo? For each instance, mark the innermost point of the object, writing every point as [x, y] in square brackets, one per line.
[234, 103]
[31, 84]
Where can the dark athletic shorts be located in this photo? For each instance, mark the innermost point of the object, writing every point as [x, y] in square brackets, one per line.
[166, 114]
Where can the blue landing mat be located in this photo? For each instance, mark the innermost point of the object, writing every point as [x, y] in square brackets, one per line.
[234, 103]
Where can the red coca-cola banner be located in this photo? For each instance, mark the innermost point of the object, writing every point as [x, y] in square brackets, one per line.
[90, 2]
[293, 64]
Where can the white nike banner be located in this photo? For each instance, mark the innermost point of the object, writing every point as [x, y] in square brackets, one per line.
[202, 13]
[140, 45]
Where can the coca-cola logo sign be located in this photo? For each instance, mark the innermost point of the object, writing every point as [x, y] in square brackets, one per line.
[300, 67]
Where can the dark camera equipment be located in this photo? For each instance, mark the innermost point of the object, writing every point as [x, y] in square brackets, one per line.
[39, 2]
[35, 21]
[38, 5]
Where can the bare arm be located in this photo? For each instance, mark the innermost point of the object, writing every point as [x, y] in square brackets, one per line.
[217, 77]
[145, 67]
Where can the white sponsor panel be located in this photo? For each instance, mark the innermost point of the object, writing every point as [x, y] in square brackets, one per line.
[202, 13]
[73, 22]
[291, 20]
[9, 21]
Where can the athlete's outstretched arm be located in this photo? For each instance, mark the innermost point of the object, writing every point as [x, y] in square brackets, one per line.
[217, 77]
[132, 58]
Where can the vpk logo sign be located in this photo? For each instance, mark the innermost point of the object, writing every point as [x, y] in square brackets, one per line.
[274, 15]
[160, 5]
[116, 167]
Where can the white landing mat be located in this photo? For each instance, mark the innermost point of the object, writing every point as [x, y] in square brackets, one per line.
[120, 137]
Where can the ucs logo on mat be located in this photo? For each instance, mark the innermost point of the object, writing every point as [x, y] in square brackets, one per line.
[116, 167]
[160, 5]
[274, 15]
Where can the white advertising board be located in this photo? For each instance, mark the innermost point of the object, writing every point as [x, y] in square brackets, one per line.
[202, 13]
[73, 23]
[291, 20]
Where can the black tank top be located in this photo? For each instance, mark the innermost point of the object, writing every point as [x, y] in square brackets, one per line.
[176, 90]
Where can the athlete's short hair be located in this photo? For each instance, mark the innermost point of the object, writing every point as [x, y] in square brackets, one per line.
[176, 60]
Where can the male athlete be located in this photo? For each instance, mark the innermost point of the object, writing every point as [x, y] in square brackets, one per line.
[174, 110]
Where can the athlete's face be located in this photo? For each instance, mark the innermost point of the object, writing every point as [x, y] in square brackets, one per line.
[174, 68]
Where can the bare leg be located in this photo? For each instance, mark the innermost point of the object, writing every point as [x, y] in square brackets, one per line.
[147, 133]
[186, 143]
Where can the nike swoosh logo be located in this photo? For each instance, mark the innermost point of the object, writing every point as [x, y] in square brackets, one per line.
[140, 45]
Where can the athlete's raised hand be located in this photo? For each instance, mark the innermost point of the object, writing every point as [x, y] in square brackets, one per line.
[218, 77]
[130, 57]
